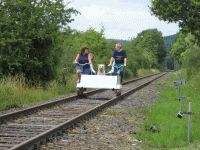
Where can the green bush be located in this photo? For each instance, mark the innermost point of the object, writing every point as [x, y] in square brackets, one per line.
[29, 39]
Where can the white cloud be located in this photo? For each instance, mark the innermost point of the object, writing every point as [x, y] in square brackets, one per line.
[121, 18]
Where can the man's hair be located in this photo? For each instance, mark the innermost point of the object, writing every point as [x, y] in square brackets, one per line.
[118, 45]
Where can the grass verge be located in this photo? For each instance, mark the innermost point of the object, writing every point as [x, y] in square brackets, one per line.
[171, 131]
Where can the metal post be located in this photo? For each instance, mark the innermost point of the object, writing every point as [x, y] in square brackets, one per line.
[183, 100]
[189, 120]
[178, 91]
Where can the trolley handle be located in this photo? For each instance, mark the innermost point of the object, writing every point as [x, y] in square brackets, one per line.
[118, 67]
[114, 66]
[77, 63]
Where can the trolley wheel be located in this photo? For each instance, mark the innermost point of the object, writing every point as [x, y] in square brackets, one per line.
[118, 92]
[79, 92]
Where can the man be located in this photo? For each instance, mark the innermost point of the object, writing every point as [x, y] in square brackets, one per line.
[119, 58]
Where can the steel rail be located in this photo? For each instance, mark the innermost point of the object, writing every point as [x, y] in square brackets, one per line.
[29, 110]
[34, 142]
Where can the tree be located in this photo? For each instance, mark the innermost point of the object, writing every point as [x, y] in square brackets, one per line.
[169, 41]
[179, 47]
[29, 39]
[152, 44]
[185, 12]
[190, 56]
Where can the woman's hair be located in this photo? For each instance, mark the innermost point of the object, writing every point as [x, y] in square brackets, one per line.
[83, 50]
[92, 56]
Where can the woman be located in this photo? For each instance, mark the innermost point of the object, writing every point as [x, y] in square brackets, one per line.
[83, 62]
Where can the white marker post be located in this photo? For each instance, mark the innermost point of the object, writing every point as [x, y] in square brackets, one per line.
[189, 120]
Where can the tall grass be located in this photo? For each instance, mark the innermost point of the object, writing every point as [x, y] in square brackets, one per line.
[14, 92]
[195, 81]
[172, 130]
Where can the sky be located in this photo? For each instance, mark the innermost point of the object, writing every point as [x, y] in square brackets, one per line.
[121, 19]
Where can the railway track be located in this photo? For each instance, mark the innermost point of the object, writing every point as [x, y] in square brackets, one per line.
[28, 128]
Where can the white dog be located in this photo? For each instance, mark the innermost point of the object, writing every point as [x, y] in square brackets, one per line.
[101, 69]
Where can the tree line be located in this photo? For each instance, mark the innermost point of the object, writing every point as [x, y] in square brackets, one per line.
[186, 50]
[37, 42]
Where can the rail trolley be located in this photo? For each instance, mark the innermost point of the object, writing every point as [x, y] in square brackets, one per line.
[94, 81]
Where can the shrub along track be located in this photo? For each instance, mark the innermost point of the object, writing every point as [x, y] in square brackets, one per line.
[43, 122]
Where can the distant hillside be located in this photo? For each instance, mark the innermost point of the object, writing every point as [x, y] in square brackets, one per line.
[123, 42]
[169, 41]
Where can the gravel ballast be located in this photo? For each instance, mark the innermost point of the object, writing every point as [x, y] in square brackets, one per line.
[114, 128]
